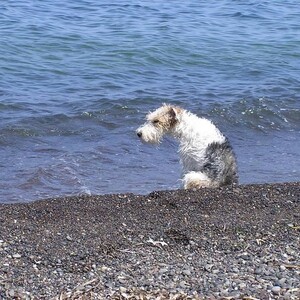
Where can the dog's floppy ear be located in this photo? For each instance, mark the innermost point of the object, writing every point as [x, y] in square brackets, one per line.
[173, 115]
[172, 112]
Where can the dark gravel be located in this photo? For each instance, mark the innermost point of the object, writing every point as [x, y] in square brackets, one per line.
[229, 243]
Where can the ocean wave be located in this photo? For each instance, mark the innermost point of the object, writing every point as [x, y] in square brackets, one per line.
[262, 114]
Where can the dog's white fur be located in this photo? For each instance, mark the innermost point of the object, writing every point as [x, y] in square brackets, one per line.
[198, 138]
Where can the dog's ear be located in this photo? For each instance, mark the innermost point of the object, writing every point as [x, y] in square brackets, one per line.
[173, 114]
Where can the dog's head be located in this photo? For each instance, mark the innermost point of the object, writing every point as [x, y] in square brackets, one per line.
[161, 121]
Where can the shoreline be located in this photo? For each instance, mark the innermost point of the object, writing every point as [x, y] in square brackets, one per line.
[234, 242]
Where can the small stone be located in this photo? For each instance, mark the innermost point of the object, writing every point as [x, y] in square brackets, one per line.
[289, 250]
[11, 293]
[104, 268]
[183, 284]
[287, 296]
[122, 279]
[242, 285]
[69, 238]
[267, 272]
[59, 270]
[245, 256]
[258, 271]
[208, 267]
[224, 292]
[187, 272]
[109, 284]
[227, 283]
[163, 270]
[282, 268]
[281, 281]
[234, 295]
[16, 255]
[276, 289]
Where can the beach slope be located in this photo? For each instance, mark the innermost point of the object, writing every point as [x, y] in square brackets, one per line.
[233, 242]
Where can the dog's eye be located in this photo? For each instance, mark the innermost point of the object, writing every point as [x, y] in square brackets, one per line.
[155, 121]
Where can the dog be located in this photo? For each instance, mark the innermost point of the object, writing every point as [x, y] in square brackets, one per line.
[206, 155]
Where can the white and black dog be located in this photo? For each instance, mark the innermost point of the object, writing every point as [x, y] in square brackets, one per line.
[206, 154]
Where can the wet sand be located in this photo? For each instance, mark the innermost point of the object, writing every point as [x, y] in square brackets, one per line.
[233, 242]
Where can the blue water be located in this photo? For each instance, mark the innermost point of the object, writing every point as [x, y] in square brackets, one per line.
[77, 78]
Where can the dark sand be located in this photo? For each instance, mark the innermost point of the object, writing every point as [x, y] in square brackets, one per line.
[51, 247]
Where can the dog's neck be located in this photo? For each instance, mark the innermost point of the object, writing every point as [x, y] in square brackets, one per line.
[190, 128]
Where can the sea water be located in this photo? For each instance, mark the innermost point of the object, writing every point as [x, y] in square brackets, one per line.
[77, 77]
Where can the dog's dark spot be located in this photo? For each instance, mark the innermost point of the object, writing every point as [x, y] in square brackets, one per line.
[220, 163]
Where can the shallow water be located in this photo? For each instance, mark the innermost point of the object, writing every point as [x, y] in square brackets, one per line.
[78, 77]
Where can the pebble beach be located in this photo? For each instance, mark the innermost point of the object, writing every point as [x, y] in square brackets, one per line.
[238, 242]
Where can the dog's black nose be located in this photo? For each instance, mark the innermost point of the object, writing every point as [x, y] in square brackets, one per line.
[139, 134]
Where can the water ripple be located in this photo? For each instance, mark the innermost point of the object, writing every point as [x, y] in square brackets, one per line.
[77, 78]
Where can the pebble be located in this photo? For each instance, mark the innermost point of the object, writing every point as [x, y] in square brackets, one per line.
[163, 270]
[59, 270]
[69, 238]
[282, 268]
[209, 272]
[104, 268]
[208, 267]
[187, 272]
[257, 271]
[122, 279]
[242, 285]
[183, 284]
[281, 281]
[276, 289]
[123, 289]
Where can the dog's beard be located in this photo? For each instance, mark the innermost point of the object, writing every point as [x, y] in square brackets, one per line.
[150, 134]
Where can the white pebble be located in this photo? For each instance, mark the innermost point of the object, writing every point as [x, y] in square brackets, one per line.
[276, 289]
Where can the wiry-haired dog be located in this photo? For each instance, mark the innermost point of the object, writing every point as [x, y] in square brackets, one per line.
[206, 155]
